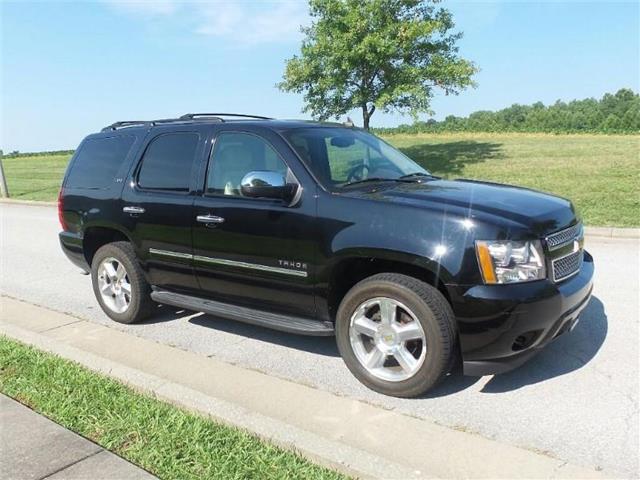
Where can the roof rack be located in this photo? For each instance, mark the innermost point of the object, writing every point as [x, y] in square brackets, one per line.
[127, 123]
[194, 116]
[184, 118]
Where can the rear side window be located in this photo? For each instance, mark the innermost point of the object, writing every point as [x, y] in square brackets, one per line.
[98, 162]
[167, 162]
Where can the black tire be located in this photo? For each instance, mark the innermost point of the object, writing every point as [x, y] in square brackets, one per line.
[430, 308]
[140, 305]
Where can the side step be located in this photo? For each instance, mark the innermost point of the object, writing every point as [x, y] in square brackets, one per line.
[276, 321]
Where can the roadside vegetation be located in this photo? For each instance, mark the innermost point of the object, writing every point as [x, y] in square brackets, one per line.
[600, 173]
[165, 440]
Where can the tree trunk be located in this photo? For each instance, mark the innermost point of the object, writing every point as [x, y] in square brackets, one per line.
[365, 118]
[366, 115]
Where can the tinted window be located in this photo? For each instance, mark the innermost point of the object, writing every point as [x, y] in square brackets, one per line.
[167, 162]
[235, 155]
[98, 161]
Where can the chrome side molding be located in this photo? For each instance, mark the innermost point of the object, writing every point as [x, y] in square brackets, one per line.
[229, 263]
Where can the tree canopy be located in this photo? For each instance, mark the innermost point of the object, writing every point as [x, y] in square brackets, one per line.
[376, 55]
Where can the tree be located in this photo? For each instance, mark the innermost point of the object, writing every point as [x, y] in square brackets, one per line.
[387, 55]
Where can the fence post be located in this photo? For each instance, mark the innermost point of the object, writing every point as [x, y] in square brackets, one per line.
[3, 182]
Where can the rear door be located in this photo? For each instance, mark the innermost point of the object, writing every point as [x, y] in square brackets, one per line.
[157, 204]
[261, 252]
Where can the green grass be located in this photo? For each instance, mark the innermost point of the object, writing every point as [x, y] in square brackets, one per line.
[35, 178]
[163, 439]
[600, 173]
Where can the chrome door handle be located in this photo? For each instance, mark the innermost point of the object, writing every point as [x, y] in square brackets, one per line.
[209, 219]
[133, 210]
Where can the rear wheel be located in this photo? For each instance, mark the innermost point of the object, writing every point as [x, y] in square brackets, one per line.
[396, 334]
[119, 283]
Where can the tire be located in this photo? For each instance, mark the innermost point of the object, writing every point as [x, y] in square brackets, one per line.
[411, 300]
[139, 304]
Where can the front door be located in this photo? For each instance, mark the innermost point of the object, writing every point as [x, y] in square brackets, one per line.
[253, 251]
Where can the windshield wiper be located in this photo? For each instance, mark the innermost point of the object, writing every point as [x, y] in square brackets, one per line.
[416, 175]
[375, 179]
[409, 178]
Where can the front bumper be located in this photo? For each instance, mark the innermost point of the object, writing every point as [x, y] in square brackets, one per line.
[502, 326]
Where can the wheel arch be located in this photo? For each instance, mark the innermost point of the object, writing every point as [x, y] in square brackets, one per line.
[97, 236]
[349, 269]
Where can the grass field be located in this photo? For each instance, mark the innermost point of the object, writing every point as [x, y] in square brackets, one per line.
[165, 440]
[35, 178]
[600, 173]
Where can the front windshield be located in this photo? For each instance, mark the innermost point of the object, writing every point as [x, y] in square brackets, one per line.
[340, 157]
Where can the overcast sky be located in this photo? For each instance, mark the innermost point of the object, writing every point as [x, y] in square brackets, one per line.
[70, 68]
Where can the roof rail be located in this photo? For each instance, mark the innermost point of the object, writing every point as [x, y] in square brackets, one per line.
[126, 123]
[134, 123]
[184, 118]
[193, 116]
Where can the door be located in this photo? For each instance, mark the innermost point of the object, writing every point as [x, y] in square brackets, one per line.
[256, 252]
[157, 205]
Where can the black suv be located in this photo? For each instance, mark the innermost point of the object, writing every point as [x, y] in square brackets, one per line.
[323, 229]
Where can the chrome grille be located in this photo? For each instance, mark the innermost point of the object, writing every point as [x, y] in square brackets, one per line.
[563, 237]
[566, 266]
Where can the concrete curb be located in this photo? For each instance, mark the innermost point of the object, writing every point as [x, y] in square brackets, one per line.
[352, 436]
[612, 232]
[33, 203]
[607, 232]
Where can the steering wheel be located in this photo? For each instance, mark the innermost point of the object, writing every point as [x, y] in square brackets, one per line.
[357, 173]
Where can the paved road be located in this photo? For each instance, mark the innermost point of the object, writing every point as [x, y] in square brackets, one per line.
[577, 400]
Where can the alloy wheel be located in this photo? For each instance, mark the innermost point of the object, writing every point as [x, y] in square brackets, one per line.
[387, 339]
[114, 285]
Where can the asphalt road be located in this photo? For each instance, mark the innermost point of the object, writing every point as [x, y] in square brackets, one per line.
[577, 400]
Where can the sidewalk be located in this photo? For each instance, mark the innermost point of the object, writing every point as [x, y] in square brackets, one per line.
[34, 447]
[354, 437]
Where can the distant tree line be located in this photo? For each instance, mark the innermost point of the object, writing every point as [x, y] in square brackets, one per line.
[613, 113]
[16, 153]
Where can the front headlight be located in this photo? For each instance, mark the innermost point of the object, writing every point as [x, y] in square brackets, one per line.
[506, 261]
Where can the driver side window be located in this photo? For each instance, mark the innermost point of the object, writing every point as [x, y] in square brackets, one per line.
[236, 154]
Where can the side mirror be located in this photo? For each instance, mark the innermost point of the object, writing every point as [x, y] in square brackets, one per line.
[267, 184]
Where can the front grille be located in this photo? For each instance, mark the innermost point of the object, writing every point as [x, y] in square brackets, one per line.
[566, 266]
[561, 238]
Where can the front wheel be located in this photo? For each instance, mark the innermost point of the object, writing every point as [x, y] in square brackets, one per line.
[119, 283]
[396, 334]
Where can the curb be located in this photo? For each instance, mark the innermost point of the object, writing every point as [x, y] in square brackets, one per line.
[324, 427]
[612, 232]
[606, 232]
[33, 203]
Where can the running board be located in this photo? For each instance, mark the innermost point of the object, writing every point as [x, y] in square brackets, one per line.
[276, 321]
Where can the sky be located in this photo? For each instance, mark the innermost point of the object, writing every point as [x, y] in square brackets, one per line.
[70, 68]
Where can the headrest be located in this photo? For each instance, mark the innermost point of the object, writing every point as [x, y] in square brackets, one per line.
[236, 156]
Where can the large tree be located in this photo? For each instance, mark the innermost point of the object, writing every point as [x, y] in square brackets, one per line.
[370, 55]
